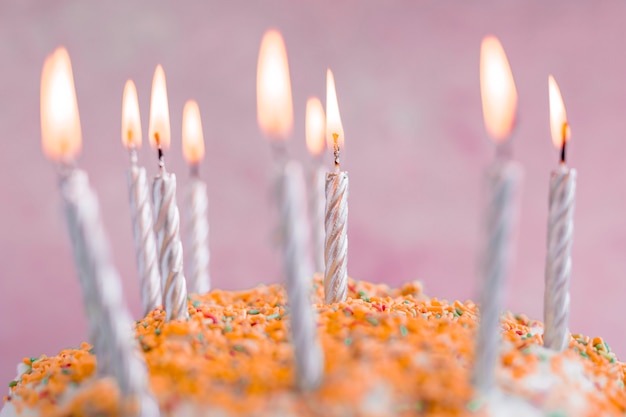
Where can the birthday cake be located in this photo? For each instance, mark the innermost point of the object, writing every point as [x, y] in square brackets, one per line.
[387, 351]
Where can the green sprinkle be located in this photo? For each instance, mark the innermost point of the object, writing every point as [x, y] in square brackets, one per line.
[438, 316]
[145, 348]
[363, 296]
[65, 371]
[348, 341]
[273, 316]
[465, 325]
[607, 356]
[157, 331]
[33, 360]
[45, 379]
[12, 384]
[557, 413]
[92, 351]
[145, 324]
[372, 320]
[543, 357]
[526, 351]
[228, 328]
[475, 405]
[458, 311]
[188, 298]
[253, 312]
[196, 304]
[406, 302]
[529, 335]
[582, 342]
[200, 336]
[239, 348]
[620, 383]
[583, 354]
[403, 330]
[606, 345]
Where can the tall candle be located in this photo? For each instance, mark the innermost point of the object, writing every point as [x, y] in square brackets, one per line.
[198, 280]
[560, 231]
[167, 218]
[503, 184]
[109, 322]
[336, 220]
[275, 116]
[140, 208]
[315, 128]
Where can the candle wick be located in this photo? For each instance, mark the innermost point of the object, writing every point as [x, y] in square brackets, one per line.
[133, 154]
[194, 171]
[563, 152]
[161, 160]
[337, 151]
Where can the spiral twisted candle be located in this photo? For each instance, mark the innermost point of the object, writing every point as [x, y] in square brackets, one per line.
[198, 232]
[145, 243]
[308, 353]
[558, 260]
[167, 229]
[336, 248]
[317, 206]
[503, 183]
[109, 322]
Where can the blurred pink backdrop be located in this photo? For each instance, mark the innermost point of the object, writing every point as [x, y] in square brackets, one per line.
[407, 82]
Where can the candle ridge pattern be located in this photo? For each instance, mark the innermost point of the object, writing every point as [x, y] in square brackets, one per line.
[317, 205]
[109, 321]
[198, 232]
[145, 241]
[167, 229]
[336, 226]
[558, 260]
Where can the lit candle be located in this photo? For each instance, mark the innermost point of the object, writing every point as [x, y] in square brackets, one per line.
[315, 129]
[336, 223]
[110, 328]
[275, 116]
[140, 208]
[504, 178]
[197, 201]
[560, 231]
[167, 219]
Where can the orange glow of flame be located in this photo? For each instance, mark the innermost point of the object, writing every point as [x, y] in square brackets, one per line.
[315, 126]
[131, 122]
[273, 88]
[159, 130]
[497, 88]
[60, 124]
[193, 138]
[334, 128]
[559, 128]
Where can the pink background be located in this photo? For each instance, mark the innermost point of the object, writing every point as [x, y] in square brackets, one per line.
[407, 81]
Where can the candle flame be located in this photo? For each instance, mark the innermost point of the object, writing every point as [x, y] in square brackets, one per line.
[131, 122]
[559, 128]
[193, 138]
[497, 88]
[273, 88]
[159, 130]
[334, 128]
[60, 123]
[315, 126]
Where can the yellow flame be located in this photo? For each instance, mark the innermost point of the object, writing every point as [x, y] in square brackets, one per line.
[334, 128]
[159, 130]
[193, 138]
[131, 122]
[60, 124]
[273, 88]
[315, 126]
[559, 128]
[497, 88]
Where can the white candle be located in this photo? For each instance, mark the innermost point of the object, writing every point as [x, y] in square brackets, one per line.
[560, 232]
[315, 128]
[336, 223]
[308, 353]
[167, 218]
[503, 184]
[275, 115]
[109, 322]
[140, 208]
[198, 280]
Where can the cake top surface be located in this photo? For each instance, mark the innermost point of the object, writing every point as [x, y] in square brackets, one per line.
[387, 352]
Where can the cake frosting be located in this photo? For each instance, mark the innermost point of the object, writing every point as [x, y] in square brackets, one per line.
[388, 352]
